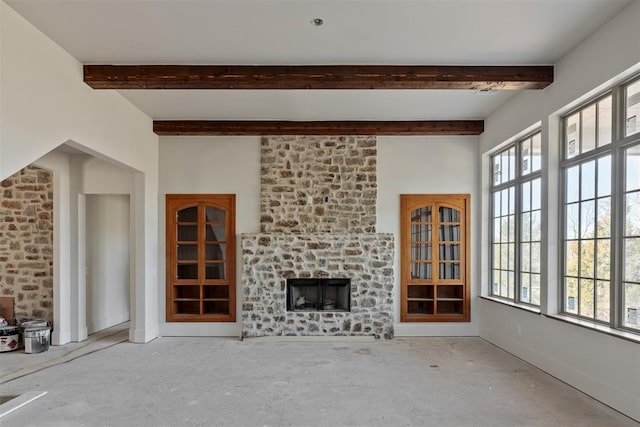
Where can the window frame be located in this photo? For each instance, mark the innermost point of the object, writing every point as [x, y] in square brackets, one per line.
[623, 112]
[617, 149]
[516, 183]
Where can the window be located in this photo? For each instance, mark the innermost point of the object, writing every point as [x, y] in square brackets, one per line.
[434, 255]
[516, 221]
[601, 210]
[200, 258]
[630, 287]
[632, 104]
[631, 246]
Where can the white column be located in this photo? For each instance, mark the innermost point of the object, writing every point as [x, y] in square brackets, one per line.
[144, 301]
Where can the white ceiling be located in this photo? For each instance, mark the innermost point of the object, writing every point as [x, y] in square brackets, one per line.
[279, 32]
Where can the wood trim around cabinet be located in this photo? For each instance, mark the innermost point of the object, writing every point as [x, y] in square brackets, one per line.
[269, 127]
[483, 77]
[174, 203]
[408, 203]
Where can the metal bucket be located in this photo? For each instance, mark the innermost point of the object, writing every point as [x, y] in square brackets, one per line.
[9, 338]
[37, 323]
[36, 340]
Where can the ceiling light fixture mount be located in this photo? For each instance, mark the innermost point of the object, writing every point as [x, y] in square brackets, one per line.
[317, 22]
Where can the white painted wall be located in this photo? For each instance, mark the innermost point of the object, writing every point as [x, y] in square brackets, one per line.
[427, 165]
[43, 104]
[107, 252]
[605, 367]
[100, 177]
[2, 176]
[232, 165]
[209, 165]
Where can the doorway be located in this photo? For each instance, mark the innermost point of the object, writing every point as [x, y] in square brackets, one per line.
[108, 269]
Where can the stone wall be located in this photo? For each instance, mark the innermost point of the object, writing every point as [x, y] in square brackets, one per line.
[269, 259]
[26, 242]
[313, 184]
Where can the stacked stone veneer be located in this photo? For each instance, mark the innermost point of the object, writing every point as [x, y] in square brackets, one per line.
[269, 259]
[318, 218]
[26, 242]
[338, 173]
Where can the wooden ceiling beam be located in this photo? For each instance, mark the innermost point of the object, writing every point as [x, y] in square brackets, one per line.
[269, 127]
[317, 77]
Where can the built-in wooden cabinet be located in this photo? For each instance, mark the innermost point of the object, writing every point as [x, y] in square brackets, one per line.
[434, 257]
[200, 258]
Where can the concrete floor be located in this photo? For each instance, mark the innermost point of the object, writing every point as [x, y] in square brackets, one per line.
[226, 382]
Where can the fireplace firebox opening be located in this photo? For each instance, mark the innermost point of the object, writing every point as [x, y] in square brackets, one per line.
[319, 295]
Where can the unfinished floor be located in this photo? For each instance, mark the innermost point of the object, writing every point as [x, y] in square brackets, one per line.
[215, 381]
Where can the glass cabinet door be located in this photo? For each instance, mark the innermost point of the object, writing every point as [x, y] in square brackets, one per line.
[450, 289]
[216, 295]
[420, 291]
[449, 244]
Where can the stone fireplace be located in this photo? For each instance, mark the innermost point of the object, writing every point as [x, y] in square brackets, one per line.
[318, 216]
